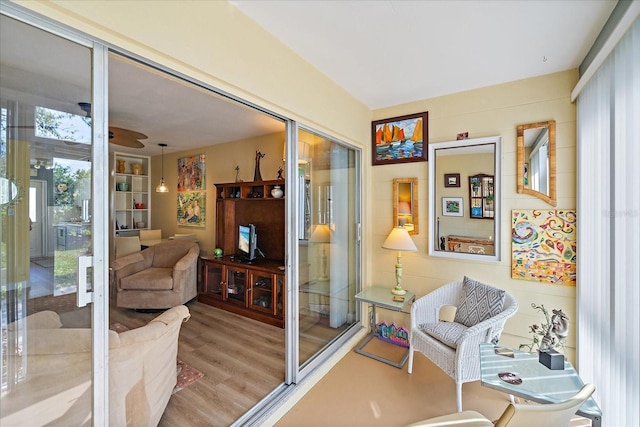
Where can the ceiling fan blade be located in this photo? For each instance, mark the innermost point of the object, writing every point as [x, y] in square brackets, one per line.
[126, 137]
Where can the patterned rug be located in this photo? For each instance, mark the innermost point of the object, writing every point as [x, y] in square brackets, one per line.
[186, 374]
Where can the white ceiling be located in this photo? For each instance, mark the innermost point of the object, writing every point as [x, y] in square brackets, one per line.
[387, 53]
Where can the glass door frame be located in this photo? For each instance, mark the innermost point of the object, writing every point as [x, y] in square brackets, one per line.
[99, 291]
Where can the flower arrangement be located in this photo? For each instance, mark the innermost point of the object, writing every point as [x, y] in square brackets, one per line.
[549, 335]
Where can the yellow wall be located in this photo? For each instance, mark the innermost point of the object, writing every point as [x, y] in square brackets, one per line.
[489, 111]
[220, 164]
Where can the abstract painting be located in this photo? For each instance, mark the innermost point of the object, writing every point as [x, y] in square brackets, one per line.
[543, 244]
[191, 173]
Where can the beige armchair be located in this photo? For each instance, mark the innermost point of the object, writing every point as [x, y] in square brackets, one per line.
[56, 388]
[162, 276]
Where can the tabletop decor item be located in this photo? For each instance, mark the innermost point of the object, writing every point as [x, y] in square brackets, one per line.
[550, 335]
[257, 176]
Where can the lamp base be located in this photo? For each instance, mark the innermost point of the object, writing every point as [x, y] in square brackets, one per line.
[398, 291]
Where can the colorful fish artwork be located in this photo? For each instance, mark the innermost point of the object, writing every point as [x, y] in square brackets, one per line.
[543, 244]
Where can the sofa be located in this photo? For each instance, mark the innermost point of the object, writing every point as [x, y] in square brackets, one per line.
[159, 277]
[56, 384]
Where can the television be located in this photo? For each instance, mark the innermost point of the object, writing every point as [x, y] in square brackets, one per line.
[247, 242]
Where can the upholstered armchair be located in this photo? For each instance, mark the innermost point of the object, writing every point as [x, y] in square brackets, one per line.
[162, 276]
[454, 347]
[56, 363]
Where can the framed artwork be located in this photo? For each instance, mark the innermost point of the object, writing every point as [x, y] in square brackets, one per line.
[191, 173]
[191, 209]
[400, 139]
[543, 246]
[452, 180]
[452, 206]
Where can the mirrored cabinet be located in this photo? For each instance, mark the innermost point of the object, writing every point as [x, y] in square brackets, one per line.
[481, 197]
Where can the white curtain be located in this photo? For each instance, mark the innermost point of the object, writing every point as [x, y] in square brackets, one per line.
[608, 293]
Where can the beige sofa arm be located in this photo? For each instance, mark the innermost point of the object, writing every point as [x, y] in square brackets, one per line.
[131, 264]
[185, 272]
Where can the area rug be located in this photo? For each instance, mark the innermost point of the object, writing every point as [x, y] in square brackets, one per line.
[186, 374]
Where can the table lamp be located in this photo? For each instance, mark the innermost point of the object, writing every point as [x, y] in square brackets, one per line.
[322, 233]
[399, 240]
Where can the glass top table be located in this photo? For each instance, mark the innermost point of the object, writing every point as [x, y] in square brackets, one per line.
[539, 384]
[382, 297]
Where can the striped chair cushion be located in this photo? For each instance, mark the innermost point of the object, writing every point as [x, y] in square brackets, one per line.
[448, 333]
[478, 302]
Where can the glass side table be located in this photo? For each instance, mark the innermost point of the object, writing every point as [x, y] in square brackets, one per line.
[539, 383]
[379, 296]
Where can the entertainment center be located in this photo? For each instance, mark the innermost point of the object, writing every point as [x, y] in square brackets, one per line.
[249, 278]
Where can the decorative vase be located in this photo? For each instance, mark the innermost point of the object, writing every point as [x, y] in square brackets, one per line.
[277, 192]
[136, 169]
[120, 168]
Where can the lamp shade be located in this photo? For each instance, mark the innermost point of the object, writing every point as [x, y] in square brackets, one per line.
[321, 234]
[404, 208]
[399, 240]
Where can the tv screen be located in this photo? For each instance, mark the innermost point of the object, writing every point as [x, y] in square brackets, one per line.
[247, 241]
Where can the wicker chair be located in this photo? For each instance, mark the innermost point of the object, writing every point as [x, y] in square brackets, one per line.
[461, 363]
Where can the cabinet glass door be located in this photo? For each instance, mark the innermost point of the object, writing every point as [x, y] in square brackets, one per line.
[261, 293]
[236, 280]
[213, 279]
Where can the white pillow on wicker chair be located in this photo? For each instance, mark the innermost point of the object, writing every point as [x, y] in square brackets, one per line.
[448, 333]
[478, 302]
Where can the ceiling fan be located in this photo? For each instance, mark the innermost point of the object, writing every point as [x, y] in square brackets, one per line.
[118, 136]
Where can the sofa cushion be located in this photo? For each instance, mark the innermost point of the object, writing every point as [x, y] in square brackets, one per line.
[478, 302]
[448, 333]
[151, 279]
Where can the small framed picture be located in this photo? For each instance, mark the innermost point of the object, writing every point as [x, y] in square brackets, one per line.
[452, 206]
[452, 180]
[462, 135]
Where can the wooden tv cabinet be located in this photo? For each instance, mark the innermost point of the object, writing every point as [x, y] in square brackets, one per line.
[253, 290]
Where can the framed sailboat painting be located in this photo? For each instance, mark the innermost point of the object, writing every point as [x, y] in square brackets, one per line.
[400, 139]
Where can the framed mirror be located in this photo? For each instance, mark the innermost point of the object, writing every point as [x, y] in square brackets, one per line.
[456, 205]
[405, 204]
[536, 160]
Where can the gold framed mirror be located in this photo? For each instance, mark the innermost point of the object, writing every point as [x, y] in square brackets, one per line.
[405, 204]
[536, 160]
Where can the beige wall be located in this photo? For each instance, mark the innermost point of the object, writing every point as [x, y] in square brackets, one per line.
[220, 164]
[489, 111]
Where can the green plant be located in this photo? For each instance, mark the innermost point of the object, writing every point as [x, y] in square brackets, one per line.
[549, 335]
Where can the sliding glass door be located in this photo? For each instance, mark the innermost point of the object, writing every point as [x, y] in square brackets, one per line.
[48, 231]
[328, 245]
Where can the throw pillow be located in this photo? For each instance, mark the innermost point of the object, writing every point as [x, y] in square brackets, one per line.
[448, 333]
[478, 302]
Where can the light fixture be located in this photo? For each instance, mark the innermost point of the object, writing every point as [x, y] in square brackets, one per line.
[399, 240]
[322, 234]
[162, 188]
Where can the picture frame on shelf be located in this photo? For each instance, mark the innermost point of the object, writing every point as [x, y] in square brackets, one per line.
[452, 206]
[400, 139]
[451, 180]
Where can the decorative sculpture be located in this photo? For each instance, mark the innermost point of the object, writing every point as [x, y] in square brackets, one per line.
[238, 174]
[257, 176]
[550, 335]
[557, 332]
[280, 172]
